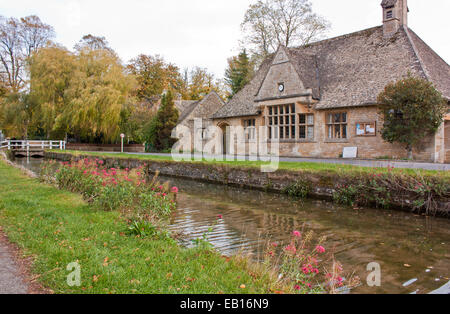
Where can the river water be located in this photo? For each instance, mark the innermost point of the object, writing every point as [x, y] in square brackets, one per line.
[413, 251]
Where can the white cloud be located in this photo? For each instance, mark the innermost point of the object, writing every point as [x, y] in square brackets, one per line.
[206, 32]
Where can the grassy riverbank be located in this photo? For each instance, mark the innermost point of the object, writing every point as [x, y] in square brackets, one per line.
[283, 165]
[420, 191]
[57, 228]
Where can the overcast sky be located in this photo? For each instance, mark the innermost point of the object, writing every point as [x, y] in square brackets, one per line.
[206, 32]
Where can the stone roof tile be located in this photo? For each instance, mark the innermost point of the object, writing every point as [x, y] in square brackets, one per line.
[351, 70]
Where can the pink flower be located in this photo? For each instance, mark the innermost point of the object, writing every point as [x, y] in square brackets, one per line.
[297, 234]
[305, 270]
[297, 287]
[101, 162]
[219, 217]
[290, 248]
[161, 187]
[274, 244]
[175, 190]
[320, 249]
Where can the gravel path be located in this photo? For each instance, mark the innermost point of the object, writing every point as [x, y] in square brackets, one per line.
[11, 279]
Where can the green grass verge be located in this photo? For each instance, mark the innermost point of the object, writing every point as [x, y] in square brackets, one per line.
[283, 165]
[58, 228]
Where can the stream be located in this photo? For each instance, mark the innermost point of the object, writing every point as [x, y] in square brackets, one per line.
[413, 251]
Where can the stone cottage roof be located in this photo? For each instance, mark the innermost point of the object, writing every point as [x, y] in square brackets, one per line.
[187, 110]
[202, 108]
[183, 105]
[242, 104]
[351, 70]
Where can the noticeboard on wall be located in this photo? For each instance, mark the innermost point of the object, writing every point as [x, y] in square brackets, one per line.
[366, 129]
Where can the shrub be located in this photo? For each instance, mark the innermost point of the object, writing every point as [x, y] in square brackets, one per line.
[307, 267]
[146, 229]
[113, 189]
[301, 189]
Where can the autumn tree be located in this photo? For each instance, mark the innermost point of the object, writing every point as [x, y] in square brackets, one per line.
[159, 130]
[93, 43]
[412, 109]
[19, 39]
[200, 83]
[98, 90]
[270, 23]
[239, 72]
[154, 76]
[51, 72]
[18, 112]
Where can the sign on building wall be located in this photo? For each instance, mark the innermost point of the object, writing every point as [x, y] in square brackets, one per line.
[366, 129]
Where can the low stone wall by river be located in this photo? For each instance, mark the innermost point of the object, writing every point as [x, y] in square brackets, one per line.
[322, 185]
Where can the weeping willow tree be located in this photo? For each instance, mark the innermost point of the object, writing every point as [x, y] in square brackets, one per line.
[97, 93]
[80, 95]
[51, 73]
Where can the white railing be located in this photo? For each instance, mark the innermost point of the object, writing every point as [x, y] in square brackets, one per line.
[32, 145]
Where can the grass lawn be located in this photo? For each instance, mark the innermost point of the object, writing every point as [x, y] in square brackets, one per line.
[283, 165]
[58, 228]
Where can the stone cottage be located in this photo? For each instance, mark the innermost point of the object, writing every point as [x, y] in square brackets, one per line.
[201, 109]
[320, 98]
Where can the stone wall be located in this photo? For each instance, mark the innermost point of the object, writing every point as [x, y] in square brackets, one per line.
[323, 185]
[369, 147]
[133, 148]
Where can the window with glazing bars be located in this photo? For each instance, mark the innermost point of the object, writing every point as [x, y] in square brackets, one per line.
[281, 122]
[250, 129]
[306, 126]
[337, 125]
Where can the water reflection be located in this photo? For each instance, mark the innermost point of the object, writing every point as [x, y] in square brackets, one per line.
[413, 251]
[393, 239]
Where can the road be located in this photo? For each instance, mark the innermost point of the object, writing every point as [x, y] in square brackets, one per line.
[354, 162]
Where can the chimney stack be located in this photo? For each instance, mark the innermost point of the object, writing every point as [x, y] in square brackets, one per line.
[395, 15]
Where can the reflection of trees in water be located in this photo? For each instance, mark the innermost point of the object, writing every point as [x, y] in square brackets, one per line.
[358, 237]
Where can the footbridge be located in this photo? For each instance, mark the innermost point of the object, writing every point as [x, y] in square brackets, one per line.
[30, 148]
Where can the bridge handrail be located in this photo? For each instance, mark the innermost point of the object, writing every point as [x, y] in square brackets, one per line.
[27, 144]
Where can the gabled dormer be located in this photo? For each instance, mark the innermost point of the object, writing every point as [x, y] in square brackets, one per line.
[282, 79]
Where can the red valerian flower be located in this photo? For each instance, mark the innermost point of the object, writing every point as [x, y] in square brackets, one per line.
[320, 249]
[297, 234]
[175, 190]
[219, 217]
[290, 248]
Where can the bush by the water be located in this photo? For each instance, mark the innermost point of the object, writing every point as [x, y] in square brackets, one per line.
[385, 189]
[307, 267]
[113, 189]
